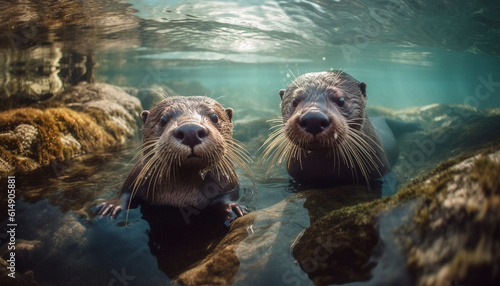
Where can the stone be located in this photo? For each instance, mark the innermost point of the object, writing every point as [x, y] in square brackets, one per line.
[84, 119]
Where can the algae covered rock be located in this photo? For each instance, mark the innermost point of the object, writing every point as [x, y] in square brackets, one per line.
[455, 235]
[83, 119]
[220, 265]
[337, 247]
[448, 131]
[451, 234]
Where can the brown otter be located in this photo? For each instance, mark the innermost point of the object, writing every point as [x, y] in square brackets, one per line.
[186, 159]
[324, 132]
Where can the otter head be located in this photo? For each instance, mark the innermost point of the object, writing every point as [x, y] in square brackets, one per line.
[318, 109]
[186, 133]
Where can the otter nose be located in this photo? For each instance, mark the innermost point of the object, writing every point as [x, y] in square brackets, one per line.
[314, 122]
[190, 134]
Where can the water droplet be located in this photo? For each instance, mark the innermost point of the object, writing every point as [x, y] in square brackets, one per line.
[203, 173]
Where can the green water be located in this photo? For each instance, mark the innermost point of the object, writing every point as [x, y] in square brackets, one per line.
[410, 54]
[397, 77]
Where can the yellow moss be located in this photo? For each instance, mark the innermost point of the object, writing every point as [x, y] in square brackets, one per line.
[103, 120]
[52, 124]
[486, 173]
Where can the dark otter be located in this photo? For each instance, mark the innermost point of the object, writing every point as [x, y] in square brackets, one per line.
[325, 133]
[186, 159]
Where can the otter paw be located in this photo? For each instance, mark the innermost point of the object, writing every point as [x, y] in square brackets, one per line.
[108, 208]
[234, 211]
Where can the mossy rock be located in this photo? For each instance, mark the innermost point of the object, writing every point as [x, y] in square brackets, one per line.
[221, 265]
[453, 235]
[447, 131]
[84, 119]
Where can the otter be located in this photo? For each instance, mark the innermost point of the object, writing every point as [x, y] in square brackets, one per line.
[326, 135]
[186, 160]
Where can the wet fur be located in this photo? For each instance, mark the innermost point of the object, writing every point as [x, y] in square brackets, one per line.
[163, 175]
[349, 151]
[171, 173]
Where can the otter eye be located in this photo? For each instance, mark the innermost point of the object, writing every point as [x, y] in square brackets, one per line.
[214, 118]
[341, 101]
[163, 120]
[295, 102]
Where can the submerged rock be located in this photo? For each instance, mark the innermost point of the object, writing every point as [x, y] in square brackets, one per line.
[83, 119]
[448, 132]
[337, 247]
[455, 235]
[149, 97]
[221, 265]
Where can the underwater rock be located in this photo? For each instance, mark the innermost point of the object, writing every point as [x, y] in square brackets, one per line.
[25, 251]
[103, 100]
[337, 247]
[448, 131]
[71, 236]
[149, 97]
[251, 131]
[21, 279]
[249, 243]
[83, 119]
[221, 265]
[455, 235]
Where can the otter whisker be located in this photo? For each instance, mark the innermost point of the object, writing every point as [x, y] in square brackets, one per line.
[277, 150]
[362, 146]
[295, 152]
[146, 146]
[240, 162]
[349, 154]
[276, 120]
[237, 148]
[273, 141]
[294, 77]
[360, 163]
[366, 146]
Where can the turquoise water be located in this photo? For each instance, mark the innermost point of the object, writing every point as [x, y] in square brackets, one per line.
[410, 53]
[397, 77]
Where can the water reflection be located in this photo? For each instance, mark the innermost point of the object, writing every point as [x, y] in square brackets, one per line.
[176, 244]
[46, 48]
[337, 247]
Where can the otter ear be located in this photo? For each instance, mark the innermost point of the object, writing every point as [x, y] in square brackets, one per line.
[282, 92]
[229, 112]
[144, 116]
[362, 86]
